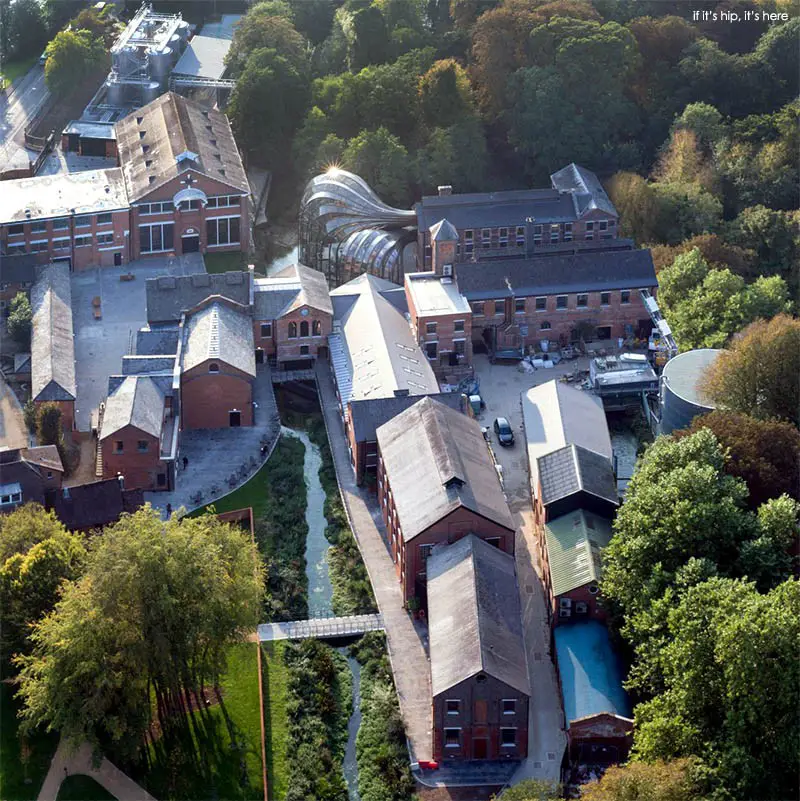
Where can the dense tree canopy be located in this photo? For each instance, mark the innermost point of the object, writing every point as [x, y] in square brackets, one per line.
[22, 33]
[20, 320]
[153, 613]
[71, 57]
[642, 781]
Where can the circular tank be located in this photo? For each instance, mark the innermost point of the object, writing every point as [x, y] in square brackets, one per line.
[115, 93]
[127, 60]
[681, 398]
[150, 91]
[176, 44]
[183, 30]
[159, 62]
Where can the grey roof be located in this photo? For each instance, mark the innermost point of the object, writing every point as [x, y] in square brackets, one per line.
[381, 354]
[548, 275]
[172, 126]
[437, 461]
[46, 456]
[136, 402]
[52, 343]
[156, 340]
[136, 364]
[683, 374]
[397, 297]
[444, 231]
[574, 469]
[290, 289]
[162, 380]
[474, 620]
[204, 57]
[169, 296]
[218, 331]
[95, 505]
[370, 414]
[224, 28]
[91, 130]
[587, 191]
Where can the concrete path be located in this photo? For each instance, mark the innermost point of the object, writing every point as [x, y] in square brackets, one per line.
[217, 454]
[407, 651]
[12, 422]
[68, 762]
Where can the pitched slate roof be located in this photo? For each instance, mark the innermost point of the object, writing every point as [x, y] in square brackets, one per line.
[596, 271]
[574, 469]
[574, 546]
[173, 126]
[157, 340]
[95, 505]
[474, 618]
[170, 296]
[591, 674]
[45, 456]
[290, 289]
[52, 343]
[371, 413]
[444, 231]
[437, 461]
[137, 401]
[218, 331]
[587, 191]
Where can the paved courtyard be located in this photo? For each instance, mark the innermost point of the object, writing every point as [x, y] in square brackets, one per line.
[101, 344]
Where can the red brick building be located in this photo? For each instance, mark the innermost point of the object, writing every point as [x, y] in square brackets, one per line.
[479, 673]
[29, 475]
[436, 484]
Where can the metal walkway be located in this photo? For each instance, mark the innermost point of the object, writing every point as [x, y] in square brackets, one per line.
[282, 376]
[320, 628]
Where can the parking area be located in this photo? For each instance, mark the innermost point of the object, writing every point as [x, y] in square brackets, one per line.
[100, 343]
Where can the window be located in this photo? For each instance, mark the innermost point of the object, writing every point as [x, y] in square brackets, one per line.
[561, 302]
[304, 351]
[221, 201]
[38, 227]
[594, 589]
[189, 205]
[568, 232]
[292, 330]
[154, 208]
[590, 226]
[316, 328]
[541, 304]
[508, 738]
[477, 309]
[62, 243]
[452, 738]
[603, 225]
[222, 231]
[459, 347]
[83, 221]
[427, 254]
[503, 237]
[499, 308]
[40, 246]
[430, 328]
[213, 367]
[469, 241]
[452, 706]
[13, 497]
[13, 230]
[14, 250]
[555, 232]
[486, 238]
[520, 236]
[545, 326]
[266, 330]
[519, 306]
[431, 350]
[583, 301]
[119, 446]
[83, 241]
[304, 328]
[142, 446]
[156, 238]
[509, 706]
[605, 298]
[537, 234]
[458, 326]
[105, 239]
[104, 219]
[625, 296]
[61, 225]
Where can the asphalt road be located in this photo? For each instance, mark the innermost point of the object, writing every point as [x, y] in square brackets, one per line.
[17, 107]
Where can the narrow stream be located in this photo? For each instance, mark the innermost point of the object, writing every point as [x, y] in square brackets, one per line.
[320, 591]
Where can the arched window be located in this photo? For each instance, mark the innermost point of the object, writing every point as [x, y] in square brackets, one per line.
[213, 367]
[304, 328]
[316, 328]
[292, 330]
[545, 326]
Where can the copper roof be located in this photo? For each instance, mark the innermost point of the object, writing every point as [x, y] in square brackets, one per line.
[151, 140]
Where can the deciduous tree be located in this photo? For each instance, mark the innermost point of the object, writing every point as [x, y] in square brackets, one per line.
[267, 26]
[647, 781]
[72, 56]
[20, 320]
[382, 161]
[445, 94]
[757, 375]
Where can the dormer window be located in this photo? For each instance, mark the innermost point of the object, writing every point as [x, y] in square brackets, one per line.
[145, 148]
[142, 134]
[186, 159]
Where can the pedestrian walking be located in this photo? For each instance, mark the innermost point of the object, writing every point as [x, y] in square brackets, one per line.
[185, 462]
[169, 510]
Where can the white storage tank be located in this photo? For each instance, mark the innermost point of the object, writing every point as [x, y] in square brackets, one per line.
[150, 91]
[681, 398]
[159, 62]
[115, 91]
[183, 30]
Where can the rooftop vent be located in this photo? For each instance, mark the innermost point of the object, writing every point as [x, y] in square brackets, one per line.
[445, 190]
[401, 393]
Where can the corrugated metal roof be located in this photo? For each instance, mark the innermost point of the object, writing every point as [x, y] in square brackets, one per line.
[204, 57]
[474, 620]
[591, 674]
[574, 546]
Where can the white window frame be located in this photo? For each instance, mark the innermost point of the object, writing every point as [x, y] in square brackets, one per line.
[61, 224]
[578, 304]
[45, 242]
[517, 310]
[607, 302]
[61, 243]
[108, 214]
[508, 745]
[456, 328]
[520, 237]
[568, 232]
[39, 227]
[510, 701]
[536, 306]
[486, 238]
[622, 300]
[80, 217]
[226, 217]
[452, 728]
[565, 307]
[499, 307]
[430, 329]
[502, 237]
[456, 701]
[80, 244]
[157, 225]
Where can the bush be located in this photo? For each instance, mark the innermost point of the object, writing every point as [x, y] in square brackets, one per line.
[20, 320]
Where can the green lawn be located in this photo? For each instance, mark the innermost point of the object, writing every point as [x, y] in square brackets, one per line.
[12, 70]
[275, 678]
[21, 773]
[83, 788]
[226, 262]
[212, 764]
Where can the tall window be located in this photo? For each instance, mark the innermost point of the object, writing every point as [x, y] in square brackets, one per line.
[499, 308]
[431, 350]
[561, 302]
[156, 238]
[555, 232]
[503, 237]
[304, 328]
[266, 330]
[458, 326]
[520, 236]
[568, 232]
[605, 298]
[222, 231]
[316, 328]
[430, 328]
[486, 238]
[477, 309]
[625, 296]
[469, 241]
[519, 306]
[541, 304]
[292, 330]
[583, 301]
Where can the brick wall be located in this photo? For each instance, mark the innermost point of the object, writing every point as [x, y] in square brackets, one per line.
[295, 348]
[208, 398]
[139, 468]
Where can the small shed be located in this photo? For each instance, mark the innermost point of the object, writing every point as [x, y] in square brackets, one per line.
[88, 138]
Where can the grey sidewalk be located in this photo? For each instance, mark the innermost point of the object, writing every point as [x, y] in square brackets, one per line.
[409, 660]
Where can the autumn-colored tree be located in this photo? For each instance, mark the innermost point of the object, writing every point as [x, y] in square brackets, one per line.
[765, 454]
[682, 162]
[638, 205]
[445, 94]
[646, 781]
[758, 374]
[714, 249]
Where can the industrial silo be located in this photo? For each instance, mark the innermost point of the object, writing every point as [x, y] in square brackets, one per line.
[183, 30]
[115, 91]
[159, 62]
[150, 91]
[681, 398]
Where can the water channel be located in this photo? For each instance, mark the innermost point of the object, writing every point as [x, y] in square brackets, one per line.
[320, 591]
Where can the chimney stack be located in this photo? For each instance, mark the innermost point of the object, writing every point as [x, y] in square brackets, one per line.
[445, 190]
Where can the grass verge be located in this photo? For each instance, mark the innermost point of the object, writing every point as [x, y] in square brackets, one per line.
[229, 262]
[23, 766]
[275, 678]
[83, 788]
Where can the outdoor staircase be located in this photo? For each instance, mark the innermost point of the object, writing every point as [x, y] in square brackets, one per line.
[98, 463]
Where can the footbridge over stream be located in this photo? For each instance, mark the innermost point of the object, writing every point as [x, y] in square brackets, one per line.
[322, 628]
